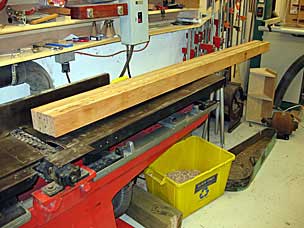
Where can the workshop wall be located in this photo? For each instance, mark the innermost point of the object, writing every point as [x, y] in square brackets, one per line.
[162, 51]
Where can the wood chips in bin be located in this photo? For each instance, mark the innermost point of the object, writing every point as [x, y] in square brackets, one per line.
[181, 176]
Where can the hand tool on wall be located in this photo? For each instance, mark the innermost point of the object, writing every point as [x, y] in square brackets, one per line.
[18, 16]
[59, 3]
[38, 46]
[28, 16]
[108, 29]
[44, 19]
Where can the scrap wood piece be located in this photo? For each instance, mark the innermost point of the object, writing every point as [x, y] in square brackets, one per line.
[69, 114]
[151, 211]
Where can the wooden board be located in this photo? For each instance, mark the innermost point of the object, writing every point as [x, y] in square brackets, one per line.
[150, 211]
[116, 128]
[64, 116]
[98, 11]
[17, 113]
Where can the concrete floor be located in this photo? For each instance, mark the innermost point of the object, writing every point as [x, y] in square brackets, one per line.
[274, 199]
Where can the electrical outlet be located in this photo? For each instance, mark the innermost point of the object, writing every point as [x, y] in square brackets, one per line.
[65, 57]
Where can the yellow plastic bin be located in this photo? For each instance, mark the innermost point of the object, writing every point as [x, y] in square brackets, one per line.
[192, 153]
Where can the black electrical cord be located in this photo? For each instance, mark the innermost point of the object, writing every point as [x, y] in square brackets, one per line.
[68, 77]
[127, 61]
[128, 67]
[127, 57]
[111, 55]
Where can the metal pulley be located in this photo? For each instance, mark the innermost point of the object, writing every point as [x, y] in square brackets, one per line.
[234, 104]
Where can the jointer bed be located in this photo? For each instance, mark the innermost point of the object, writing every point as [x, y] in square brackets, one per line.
[71, 181]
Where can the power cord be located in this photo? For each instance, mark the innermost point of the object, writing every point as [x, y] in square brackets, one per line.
[128, 68]
[127, 64]
[66, 69]
[112, 55]
[68, 77]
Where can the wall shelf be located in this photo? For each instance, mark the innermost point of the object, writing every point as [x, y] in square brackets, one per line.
[261, 90]
[66, 21]
[29, 55]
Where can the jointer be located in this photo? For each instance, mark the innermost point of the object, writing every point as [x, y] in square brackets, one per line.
[76, 180]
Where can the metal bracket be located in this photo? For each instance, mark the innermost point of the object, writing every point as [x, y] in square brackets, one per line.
[14, 74]
[53, 188]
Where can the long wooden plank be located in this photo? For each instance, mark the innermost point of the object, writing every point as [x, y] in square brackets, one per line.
[64, 116]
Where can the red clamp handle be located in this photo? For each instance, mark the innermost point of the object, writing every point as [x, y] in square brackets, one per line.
[208, 47]
[2, 4]
[217, 41]
[192, 53]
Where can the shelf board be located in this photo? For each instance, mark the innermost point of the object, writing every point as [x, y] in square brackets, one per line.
[263, 72]
[29, 55]
[260, 96]
[66, 21]
[157, 12]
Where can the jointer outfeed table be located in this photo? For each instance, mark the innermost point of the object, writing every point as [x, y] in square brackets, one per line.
[72, 180]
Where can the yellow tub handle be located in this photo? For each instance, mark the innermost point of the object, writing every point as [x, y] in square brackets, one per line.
[158, 180]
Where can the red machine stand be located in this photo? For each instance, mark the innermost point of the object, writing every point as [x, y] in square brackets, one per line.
[89, 202]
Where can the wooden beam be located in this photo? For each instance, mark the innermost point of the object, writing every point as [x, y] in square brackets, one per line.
[63, 116]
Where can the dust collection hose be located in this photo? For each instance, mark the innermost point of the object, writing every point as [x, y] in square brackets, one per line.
[286, 80]
[28, 72]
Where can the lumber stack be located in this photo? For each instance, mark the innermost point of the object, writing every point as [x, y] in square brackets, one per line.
[69, 114]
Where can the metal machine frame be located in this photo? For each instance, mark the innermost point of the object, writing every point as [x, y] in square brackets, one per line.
[87, 168]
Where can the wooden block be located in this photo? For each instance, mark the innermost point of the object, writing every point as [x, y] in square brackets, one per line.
[58, 10]
[64, 116]
[98, 11]
[151, 211]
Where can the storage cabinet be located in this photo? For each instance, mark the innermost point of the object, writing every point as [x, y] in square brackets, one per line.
[261, 90]
[195, 4]
[295, 13]
[201, 4]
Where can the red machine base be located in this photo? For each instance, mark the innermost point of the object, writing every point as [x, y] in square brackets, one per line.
[89, 202]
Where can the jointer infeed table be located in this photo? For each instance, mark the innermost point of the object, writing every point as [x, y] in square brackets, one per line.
[71, 180]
